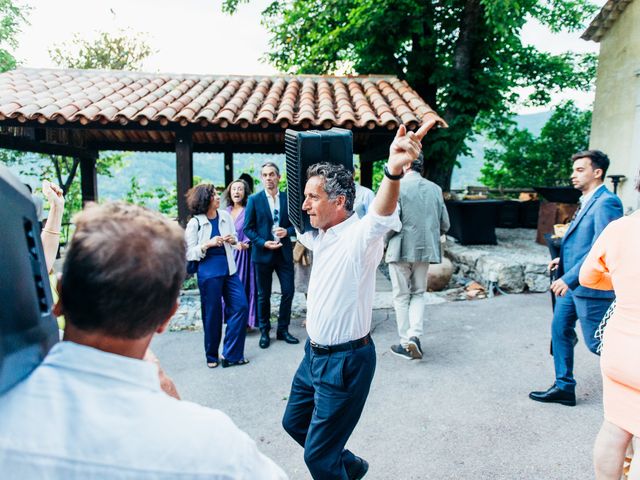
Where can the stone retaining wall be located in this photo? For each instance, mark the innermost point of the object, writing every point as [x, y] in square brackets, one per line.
[517, 264]
[188, 316]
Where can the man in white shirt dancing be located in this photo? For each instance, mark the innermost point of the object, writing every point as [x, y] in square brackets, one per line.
[331, 385]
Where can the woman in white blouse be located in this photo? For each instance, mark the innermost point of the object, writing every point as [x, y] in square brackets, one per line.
[210, 235]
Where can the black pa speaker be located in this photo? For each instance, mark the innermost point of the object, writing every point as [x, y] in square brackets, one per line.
[28, 329]
[307, 148]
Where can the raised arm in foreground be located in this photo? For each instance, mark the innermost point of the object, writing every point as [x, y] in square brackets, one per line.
[51, 232]
[404, 149]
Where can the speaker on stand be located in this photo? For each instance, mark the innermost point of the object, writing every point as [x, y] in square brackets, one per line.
[306, 148]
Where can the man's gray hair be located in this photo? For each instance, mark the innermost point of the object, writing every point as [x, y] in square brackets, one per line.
[270, 164]
[418, 164]
[337, 181]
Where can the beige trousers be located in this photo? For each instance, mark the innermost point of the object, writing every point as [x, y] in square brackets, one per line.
[409, 284]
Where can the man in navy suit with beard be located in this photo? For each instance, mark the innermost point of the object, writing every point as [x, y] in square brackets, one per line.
[268, 227]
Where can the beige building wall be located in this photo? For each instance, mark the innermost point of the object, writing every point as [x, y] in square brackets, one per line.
[615, 126]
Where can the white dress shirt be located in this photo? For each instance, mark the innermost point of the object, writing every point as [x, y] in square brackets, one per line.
[343, 277]
[87, 414]
[364, 199]
[584, 199]
[274, 204]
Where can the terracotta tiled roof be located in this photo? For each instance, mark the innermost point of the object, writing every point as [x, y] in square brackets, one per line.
[605, 18]
[96, 98]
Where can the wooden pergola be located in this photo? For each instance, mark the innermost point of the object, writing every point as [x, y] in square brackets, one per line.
[78, 113]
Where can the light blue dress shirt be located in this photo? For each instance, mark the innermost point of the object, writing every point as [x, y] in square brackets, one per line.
[87, 414]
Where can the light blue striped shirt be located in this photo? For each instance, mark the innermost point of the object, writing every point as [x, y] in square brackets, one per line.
[88, 414]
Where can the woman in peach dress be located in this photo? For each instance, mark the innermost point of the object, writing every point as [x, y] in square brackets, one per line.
[614, 262]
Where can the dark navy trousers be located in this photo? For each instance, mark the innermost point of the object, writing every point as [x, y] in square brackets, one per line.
[327, 396]
[567, 311]
[236, 311]
[264, 277]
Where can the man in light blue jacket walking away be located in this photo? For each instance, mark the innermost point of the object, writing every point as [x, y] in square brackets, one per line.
[410, 251]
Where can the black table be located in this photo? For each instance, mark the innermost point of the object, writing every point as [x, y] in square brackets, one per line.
[518, 214]
[473, 222]
[559, 194]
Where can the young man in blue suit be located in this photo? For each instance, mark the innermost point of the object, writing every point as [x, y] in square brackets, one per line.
[598, 206]
[268, 227]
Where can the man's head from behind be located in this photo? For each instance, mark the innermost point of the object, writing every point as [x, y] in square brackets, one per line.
[123, 271]
[328, 195]
[416, 166]
[589, 169]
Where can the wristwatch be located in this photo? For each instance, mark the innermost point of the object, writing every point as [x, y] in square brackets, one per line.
[388, 174]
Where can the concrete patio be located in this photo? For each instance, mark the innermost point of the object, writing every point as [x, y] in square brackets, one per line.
[461, 413]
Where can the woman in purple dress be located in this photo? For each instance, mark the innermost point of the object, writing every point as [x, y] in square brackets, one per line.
[236, 196]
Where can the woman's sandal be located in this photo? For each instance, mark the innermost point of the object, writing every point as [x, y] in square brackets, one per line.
[226, 363]
[212, 364]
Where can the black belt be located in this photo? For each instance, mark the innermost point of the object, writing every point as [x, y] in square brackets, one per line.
[341, 347]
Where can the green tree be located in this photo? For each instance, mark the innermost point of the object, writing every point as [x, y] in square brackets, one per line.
[464, 57]
[12, 17]
[64, 170]
[136, 194]
[121, 51]
[164, 199]
[167, 200]
[523, 160]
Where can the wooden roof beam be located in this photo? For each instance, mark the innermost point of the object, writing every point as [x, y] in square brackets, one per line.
[24, 144]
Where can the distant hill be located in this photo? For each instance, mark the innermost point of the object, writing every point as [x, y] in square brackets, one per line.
[158, 169]
[469, 170]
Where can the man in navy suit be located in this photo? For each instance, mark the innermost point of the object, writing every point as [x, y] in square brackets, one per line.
[268, 227]
[598, 206]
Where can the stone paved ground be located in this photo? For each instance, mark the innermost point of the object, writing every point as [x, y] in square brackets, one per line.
[462, 413]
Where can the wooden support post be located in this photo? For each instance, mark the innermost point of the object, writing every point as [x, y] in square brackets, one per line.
[88, 178]
[184, 172]
[366, 173]
[373, 153]
[228, 167]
